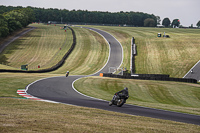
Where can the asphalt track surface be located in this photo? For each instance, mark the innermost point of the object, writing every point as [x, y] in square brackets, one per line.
[194, 72]
[60, 89]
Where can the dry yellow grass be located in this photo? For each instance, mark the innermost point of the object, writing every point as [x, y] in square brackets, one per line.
[32, 116]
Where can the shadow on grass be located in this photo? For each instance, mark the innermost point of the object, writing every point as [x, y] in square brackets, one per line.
[3, 59]
[10, 49]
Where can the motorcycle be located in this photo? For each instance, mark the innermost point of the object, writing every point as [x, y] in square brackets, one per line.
[118, 100]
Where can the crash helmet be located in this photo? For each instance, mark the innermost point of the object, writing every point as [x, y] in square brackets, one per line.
[125, 88]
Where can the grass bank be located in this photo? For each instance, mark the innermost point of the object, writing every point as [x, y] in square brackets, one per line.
[18, 115]
[43, 46]
[46, 45]
[89, 55]
[32, 116]
[174, 56]
[23, 115]
[179, 97]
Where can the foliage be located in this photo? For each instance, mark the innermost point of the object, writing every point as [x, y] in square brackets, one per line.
[175, 23]
[14, 20]
[158, 19]
[149, 22]
[198, 24]
[3, 26]
[84, 16]
[166, 22]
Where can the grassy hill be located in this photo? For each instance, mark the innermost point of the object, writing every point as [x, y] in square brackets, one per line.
[179, 97]
[38, 47]
[47, 44]
[154, 56]
[173, 56]
[89, 55]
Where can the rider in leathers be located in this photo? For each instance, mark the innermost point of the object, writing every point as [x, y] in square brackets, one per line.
[122, 93]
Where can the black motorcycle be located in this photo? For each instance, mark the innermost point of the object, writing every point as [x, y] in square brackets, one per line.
[118, 100]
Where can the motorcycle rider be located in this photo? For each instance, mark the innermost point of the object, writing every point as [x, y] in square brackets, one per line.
[123, 93]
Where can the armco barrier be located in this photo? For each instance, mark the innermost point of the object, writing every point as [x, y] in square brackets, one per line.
[150, 77]
[59, 64]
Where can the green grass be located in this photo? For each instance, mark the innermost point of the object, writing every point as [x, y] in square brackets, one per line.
[89, 55]
[174, 56]
[180, 97]
[17, 115]
[38, 47]
[32, 116]
[11, 82]
[42, 47]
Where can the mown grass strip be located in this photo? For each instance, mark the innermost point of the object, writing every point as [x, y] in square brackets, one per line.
[180, 97]
[43, 47]
[89, 55]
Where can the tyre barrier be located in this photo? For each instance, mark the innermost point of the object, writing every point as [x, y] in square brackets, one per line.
[153, 75]
[133, 54]
[150, 77]
[53, 68]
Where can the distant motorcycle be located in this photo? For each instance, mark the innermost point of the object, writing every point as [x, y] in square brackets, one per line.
[118, 100]
[67, 73]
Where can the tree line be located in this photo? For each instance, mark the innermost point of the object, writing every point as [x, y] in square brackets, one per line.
[175, 23]
[12, 20]
[167, 23]
[84, 16]
[80, 16]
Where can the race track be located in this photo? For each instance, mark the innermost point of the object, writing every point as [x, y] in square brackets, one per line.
[194, 72]
[60, 89]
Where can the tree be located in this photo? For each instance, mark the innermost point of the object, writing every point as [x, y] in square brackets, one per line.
[175, 23]
[149, 22]
[14, 20]
[166, 22]
[30, 15]
[158, 20]
[198, 24]
[3, 26]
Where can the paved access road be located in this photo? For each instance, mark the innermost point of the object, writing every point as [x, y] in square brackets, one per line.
[60, 89]
[5, 44]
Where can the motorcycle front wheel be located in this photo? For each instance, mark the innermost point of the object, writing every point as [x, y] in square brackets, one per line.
[120, 103]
